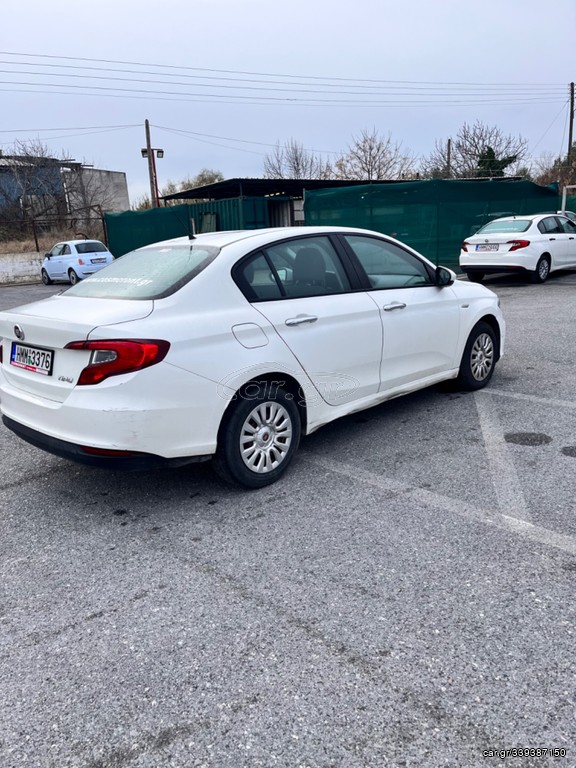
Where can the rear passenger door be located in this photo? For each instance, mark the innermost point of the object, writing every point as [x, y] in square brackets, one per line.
[306, 291]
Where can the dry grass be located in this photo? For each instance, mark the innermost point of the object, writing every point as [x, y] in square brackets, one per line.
[27, 244]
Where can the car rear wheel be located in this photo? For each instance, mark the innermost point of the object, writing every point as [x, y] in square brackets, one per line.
[475, 277]
[259, 438]
[46, 278]
[540, 274]
[73, 277]
[479, 358]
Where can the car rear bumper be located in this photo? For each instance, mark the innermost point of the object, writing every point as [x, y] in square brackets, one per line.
[108, 459]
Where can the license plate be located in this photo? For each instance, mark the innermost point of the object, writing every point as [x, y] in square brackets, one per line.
[32, 359]
[98, 261]
[487, 247]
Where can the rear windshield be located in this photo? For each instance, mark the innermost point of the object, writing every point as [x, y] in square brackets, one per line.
[512, 225]
[91, 246]
[151, 273]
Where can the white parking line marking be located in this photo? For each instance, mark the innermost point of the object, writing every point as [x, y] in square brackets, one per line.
[504, 476]
[427, 498]
[530, 398]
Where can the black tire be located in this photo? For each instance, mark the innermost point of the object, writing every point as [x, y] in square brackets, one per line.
[45, 278]
[540, 274]
[478, 359]
[268, 448]
[73, 277]
[475, 277]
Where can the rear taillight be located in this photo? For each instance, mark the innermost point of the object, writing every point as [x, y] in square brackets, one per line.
[112, 358]
[464, 246]
[516, 244]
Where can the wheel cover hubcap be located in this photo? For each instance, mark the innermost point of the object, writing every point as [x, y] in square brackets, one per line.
[265, 437]
[544, 269]
[482, 358]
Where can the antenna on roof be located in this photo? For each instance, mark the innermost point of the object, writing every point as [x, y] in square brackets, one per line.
[191, 228]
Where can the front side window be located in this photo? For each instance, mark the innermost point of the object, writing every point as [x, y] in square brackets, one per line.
[386, 264]
[150, 273]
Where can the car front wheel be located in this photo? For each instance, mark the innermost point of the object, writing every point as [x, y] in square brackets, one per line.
[475, 277]
[540, 274]
[479, 358]
[259, 438]
[46, 278]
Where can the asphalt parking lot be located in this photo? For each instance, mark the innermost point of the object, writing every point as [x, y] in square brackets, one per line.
[404, 596]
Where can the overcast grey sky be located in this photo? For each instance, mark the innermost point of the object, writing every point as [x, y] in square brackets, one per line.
[222, 81]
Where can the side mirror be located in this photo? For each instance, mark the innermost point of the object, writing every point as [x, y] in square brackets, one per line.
[46, 255]
[444, 277]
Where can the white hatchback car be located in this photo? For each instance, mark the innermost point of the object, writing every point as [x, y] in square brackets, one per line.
[534, 245]
[74, 260]
[230, 345]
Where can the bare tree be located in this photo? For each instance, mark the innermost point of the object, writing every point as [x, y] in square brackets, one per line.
[202, 178]
[32, 185]
[374, 157]
[462, 158]
[549, 169]
[292, 161]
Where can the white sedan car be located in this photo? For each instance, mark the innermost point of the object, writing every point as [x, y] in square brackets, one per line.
[74, 260]
[230, 345]
[534, 245]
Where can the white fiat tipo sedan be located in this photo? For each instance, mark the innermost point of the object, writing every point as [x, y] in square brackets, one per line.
[231, 345]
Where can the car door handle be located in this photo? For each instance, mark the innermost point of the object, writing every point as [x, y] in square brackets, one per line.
[552, 238]
[301, 319]
[394, 305]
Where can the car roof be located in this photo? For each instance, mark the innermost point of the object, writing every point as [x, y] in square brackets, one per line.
[81, 240]
[221, 239]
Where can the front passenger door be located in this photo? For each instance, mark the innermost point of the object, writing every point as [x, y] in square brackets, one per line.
[420, 321]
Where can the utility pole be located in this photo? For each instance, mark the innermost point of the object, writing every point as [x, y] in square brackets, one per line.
[449, 158]
[571, 123]
[151, 173]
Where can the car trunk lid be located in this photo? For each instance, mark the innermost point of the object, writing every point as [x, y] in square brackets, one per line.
[35, 358]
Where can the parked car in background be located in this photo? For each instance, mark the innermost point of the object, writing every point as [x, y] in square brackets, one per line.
[74, 260]
[230, 345]
[534, 245]
[569, 215]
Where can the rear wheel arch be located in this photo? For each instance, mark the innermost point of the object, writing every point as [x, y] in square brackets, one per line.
[260, 431]
[276, 380]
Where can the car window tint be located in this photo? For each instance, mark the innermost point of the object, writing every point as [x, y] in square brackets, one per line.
[66, 250]
[386, 264]
[149, 273]
[308, 267]
[91, 246]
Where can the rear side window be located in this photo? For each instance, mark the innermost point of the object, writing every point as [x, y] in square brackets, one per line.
[91, 246]
[292, 269]
[150, 273]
